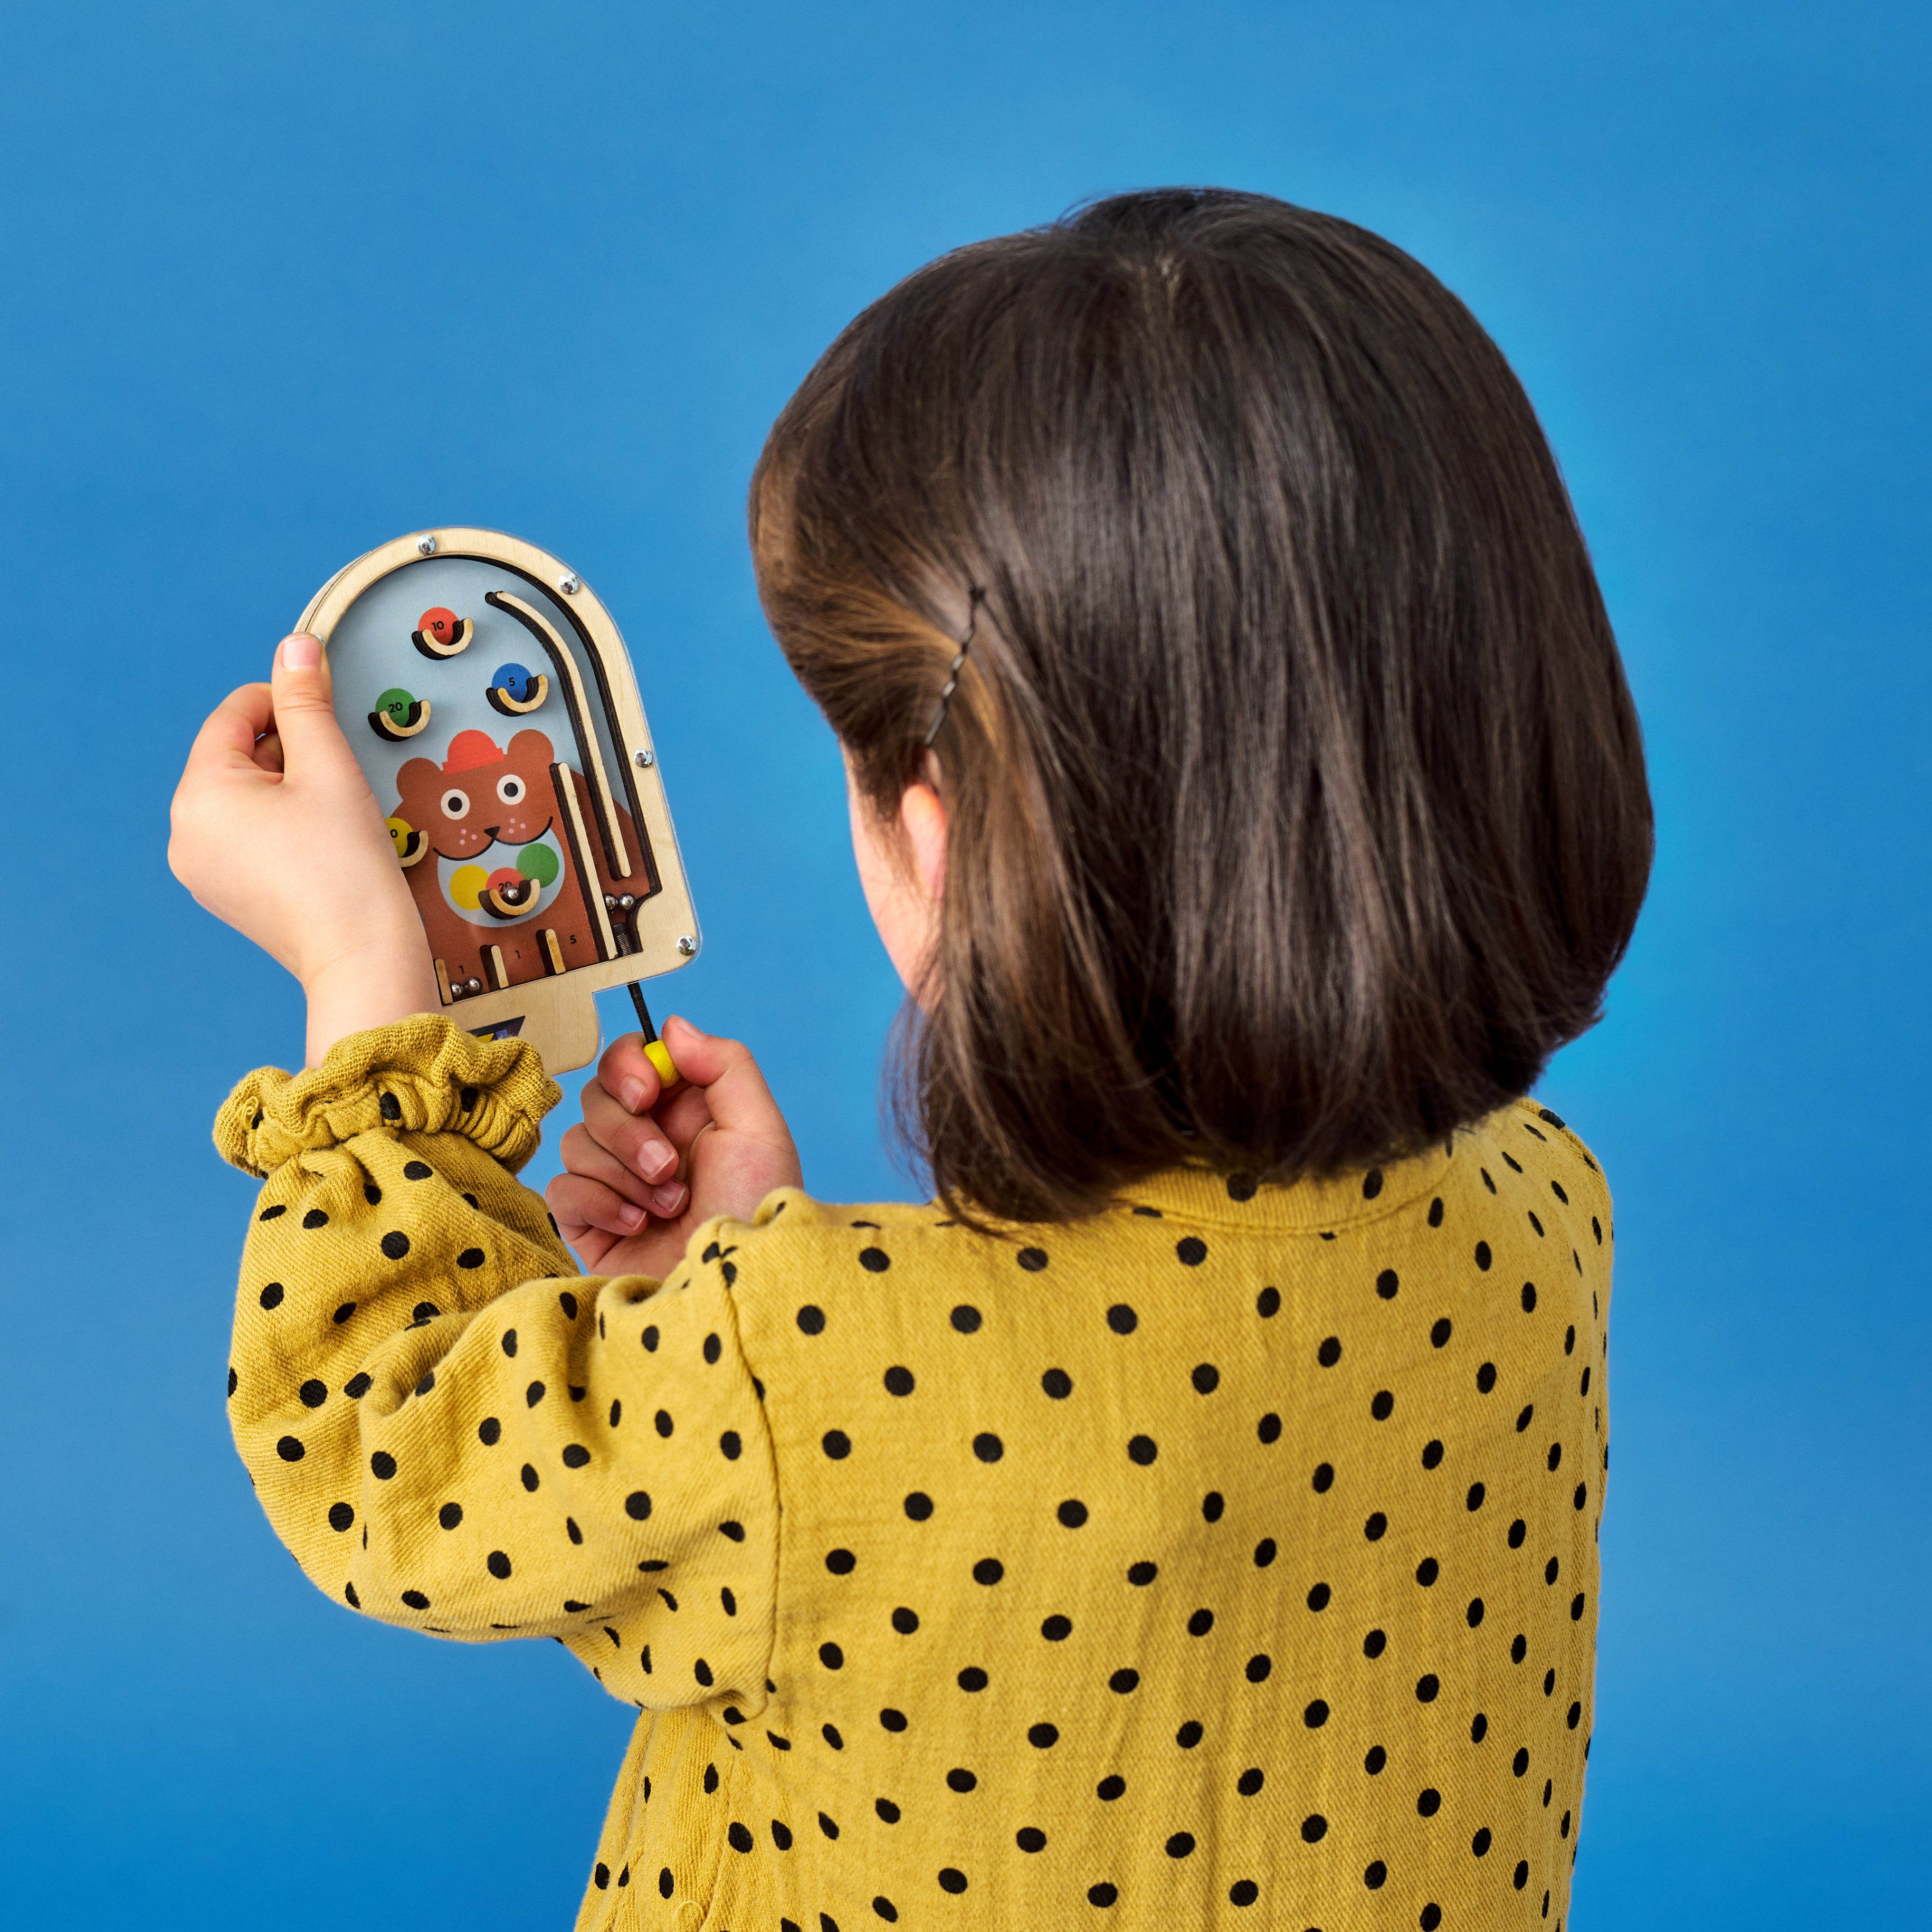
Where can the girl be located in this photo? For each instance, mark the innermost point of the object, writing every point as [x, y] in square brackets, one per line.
[1189, 1517]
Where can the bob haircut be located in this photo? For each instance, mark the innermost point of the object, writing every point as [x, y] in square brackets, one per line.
[1296, 797]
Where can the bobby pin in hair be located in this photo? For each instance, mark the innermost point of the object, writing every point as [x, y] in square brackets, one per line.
[978, 597]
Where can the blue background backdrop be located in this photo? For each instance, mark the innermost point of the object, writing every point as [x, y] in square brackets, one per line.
[278, 283]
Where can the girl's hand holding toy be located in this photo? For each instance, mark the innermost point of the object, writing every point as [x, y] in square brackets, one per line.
[276, 832]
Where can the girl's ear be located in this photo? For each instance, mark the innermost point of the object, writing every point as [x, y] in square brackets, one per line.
[922, 819]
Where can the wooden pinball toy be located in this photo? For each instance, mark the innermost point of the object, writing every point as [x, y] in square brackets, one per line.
[489, 698]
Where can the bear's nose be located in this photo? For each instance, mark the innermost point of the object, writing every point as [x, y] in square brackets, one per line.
[490, 831]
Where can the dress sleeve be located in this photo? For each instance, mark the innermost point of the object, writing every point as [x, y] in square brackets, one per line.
[452, 1429]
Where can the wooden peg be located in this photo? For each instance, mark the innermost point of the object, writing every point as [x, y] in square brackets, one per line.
[442, 634]
[501, 701]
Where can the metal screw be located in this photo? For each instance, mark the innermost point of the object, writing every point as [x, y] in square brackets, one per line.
[686, 944]
[644, 760]
[568, 584]
[425, 546]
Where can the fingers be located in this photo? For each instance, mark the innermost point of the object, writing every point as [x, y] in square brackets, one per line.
[579, 1203]
[735, 1093]
[585, 1158]
[722, 1086]
[683, 1117]
[305, 703]
[640, 1142]
[581, 1155]
[222, 755]
[226, 742]
[661, 1139]
[592, 1243]
[626, 1074]
[651, 1144]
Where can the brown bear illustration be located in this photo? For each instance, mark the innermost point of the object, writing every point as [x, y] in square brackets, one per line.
[482, 800]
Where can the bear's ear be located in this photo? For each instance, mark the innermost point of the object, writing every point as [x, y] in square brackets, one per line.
[530, 747]
[417, 775]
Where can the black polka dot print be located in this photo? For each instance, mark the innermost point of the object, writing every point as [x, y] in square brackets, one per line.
[1106, 1546]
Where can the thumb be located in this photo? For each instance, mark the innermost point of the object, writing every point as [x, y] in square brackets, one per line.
[734, 1090]
[304, 703]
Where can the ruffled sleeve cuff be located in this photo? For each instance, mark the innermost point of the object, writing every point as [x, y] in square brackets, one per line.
[420, 1075]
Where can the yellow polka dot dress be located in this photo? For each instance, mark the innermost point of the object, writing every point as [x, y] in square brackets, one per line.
[1227, 1559]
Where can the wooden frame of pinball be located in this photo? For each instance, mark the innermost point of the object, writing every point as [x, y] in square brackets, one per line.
[559, 1014]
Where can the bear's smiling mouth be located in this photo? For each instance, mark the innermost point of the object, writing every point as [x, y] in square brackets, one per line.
[491, 839]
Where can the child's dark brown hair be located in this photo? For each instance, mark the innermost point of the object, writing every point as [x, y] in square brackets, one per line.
[1297, 799]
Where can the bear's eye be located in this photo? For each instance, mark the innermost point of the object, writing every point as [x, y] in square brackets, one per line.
[510, 789]
[455, 804]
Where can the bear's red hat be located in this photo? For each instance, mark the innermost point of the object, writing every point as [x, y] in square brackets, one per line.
[469, 749]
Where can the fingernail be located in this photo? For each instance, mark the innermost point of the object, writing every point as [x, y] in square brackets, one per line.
[696, 1033]
[668, 1200]
[655, 1160]
[631, 1097]
[630, 1214]
[301, 652]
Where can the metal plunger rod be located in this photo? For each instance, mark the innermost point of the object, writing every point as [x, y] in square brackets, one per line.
[636, 993]
[655, 1049]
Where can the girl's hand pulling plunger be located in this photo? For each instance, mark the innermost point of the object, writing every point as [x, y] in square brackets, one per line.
[647, 1165]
